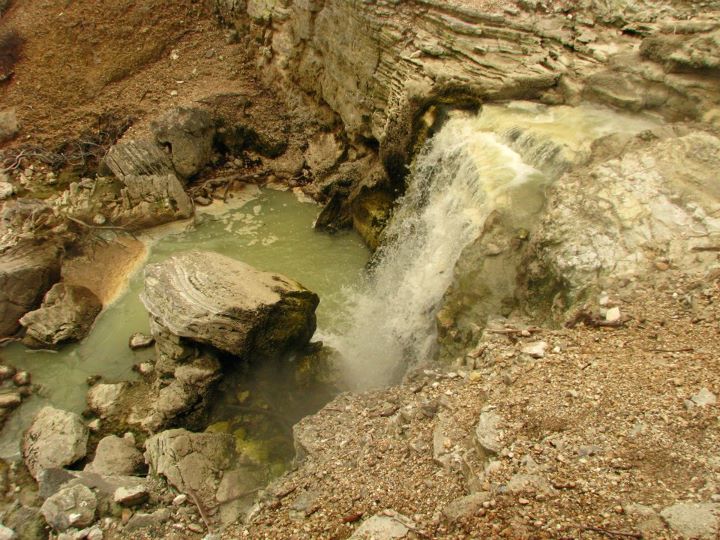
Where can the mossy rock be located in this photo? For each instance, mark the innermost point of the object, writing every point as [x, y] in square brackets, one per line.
[371, 211]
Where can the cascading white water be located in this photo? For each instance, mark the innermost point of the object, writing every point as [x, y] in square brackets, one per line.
[464, 172]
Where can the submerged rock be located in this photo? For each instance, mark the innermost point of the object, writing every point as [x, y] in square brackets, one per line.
[66, 314]
[27, 271]
[215, 300]
[54, 439]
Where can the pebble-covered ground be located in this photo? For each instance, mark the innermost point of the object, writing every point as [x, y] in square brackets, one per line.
[612, 425]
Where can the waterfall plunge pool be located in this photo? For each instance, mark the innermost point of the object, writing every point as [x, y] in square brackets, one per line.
[379, 323]
[272, 231]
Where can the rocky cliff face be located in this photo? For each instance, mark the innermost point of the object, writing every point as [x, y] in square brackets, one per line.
[380, 65]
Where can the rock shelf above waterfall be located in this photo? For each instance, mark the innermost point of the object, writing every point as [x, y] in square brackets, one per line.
[218, 301]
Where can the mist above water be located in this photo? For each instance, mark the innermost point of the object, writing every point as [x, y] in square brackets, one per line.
[501, 158]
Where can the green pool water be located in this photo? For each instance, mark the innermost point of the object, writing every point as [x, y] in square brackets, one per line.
[272, 231]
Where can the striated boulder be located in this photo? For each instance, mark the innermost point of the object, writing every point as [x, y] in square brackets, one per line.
[152, 191]
[54, 439]
[138, 157]
[212, 299]
[27, 271]
[66, 314]
[189, 135]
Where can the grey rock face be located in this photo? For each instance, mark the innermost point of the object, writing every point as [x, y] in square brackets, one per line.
[27, 271]
[54, 439]
[642, 202]
[191, 462]
[66, 314]
[386, 525]
[212, 299]
[9, 127]
[487, 434]
[70, 507]
[116, 456]
[693, 520]
[189, 134]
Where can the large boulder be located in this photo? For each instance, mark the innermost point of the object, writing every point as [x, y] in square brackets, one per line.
[212, 299]
[66, 314]
[191, 462]
[54, 439]
[189, 134]
[27, 271]
[206, 467]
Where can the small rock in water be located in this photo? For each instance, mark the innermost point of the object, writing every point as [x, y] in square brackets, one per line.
[704, 397]
[140, 341]
[6, 372]
[144, 368]
[203, 201]
[179, 500]
[99, 219]
[6, 190]
[22, 378]
[613, 314]
[535, 349]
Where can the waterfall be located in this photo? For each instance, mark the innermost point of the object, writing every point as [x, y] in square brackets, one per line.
[466, 170]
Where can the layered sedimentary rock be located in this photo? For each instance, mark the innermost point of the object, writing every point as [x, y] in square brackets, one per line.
[394, 58]
[211, 299]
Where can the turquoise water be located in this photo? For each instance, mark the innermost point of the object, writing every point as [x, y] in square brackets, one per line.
[273, 232]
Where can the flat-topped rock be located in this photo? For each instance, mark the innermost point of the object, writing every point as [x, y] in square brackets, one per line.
[212, 299]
